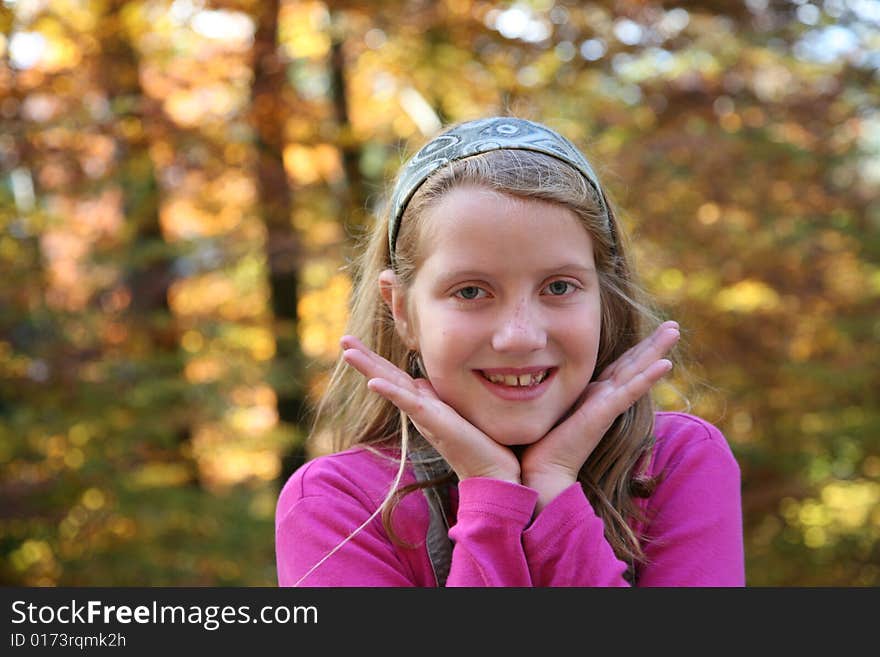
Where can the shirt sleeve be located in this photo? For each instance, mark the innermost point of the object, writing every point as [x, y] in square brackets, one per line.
[487, 536]
[315, 545]
[694, 525]
[318, 526]
[693, 532]
[566, 546]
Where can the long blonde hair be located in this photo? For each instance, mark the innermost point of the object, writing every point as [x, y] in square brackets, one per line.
[353, 415]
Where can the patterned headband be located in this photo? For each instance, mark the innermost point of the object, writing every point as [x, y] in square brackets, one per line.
[482, 136]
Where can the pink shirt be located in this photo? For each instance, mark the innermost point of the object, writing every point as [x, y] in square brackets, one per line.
[694, 525]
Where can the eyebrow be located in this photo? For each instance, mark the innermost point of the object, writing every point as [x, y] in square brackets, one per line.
[476, 273]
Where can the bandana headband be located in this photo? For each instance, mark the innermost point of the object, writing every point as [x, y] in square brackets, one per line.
[482, 136]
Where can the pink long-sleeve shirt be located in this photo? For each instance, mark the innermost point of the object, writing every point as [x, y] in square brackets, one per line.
[693, 525]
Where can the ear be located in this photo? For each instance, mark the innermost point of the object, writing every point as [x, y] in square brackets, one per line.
[393, 294]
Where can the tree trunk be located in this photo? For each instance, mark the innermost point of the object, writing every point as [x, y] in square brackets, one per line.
[283, 248]
[356, 211]
[149, 262]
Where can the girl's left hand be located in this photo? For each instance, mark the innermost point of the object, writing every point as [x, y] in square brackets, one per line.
[552, 464]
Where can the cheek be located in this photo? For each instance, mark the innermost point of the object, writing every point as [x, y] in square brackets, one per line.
[582, 340]
[448, 345]
[445, 348]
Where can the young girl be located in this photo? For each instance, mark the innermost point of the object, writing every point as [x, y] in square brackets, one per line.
[492, 410]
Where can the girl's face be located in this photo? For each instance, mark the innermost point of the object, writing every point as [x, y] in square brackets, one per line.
[507, 291]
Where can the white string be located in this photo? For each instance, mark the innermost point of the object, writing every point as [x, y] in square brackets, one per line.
[403, 450]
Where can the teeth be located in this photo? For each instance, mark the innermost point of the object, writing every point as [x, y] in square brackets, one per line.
[517, 381]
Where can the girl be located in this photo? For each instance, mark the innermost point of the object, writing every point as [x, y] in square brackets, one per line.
[506, 435]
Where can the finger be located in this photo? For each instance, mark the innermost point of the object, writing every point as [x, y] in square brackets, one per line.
[426, 414]
[406, 400]
[373, 367]
[643, 344]
[352, 342]
[638, 385]
[602, 407]
[638, 350]
[622, 397]
[637, 358]
[371, 364]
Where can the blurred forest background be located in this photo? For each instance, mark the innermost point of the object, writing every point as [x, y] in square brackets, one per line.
[180, 183]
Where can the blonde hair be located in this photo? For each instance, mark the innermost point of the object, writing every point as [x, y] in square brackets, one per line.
[354, 415]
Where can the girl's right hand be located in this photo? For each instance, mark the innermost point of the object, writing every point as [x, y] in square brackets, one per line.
[469, 451]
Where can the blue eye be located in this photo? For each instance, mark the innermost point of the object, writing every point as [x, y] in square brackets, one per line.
[469, 293]
[558, 288]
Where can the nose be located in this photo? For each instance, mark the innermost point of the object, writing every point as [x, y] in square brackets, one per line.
[520, 329]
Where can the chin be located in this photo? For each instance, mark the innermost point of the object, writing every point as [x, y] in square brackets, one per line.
[519, 441]
[518, 435]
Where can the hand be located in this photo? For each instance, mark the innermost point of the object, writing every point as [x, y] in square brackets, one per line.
[469, 451]
[552, 464]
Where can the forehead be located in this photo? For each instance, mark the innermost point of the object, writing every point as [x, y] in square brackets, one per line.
[475, 226]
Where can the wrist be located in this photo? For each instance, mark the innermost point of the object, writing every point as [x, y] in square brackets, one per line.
[500, 475]
[548, 487]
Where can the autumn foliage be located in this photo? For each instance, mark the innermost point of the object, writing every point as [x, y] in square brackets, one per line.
[181, 183]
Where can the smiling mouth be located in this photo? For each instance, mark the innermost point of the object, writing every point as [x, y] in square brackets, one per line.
[513, 381]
